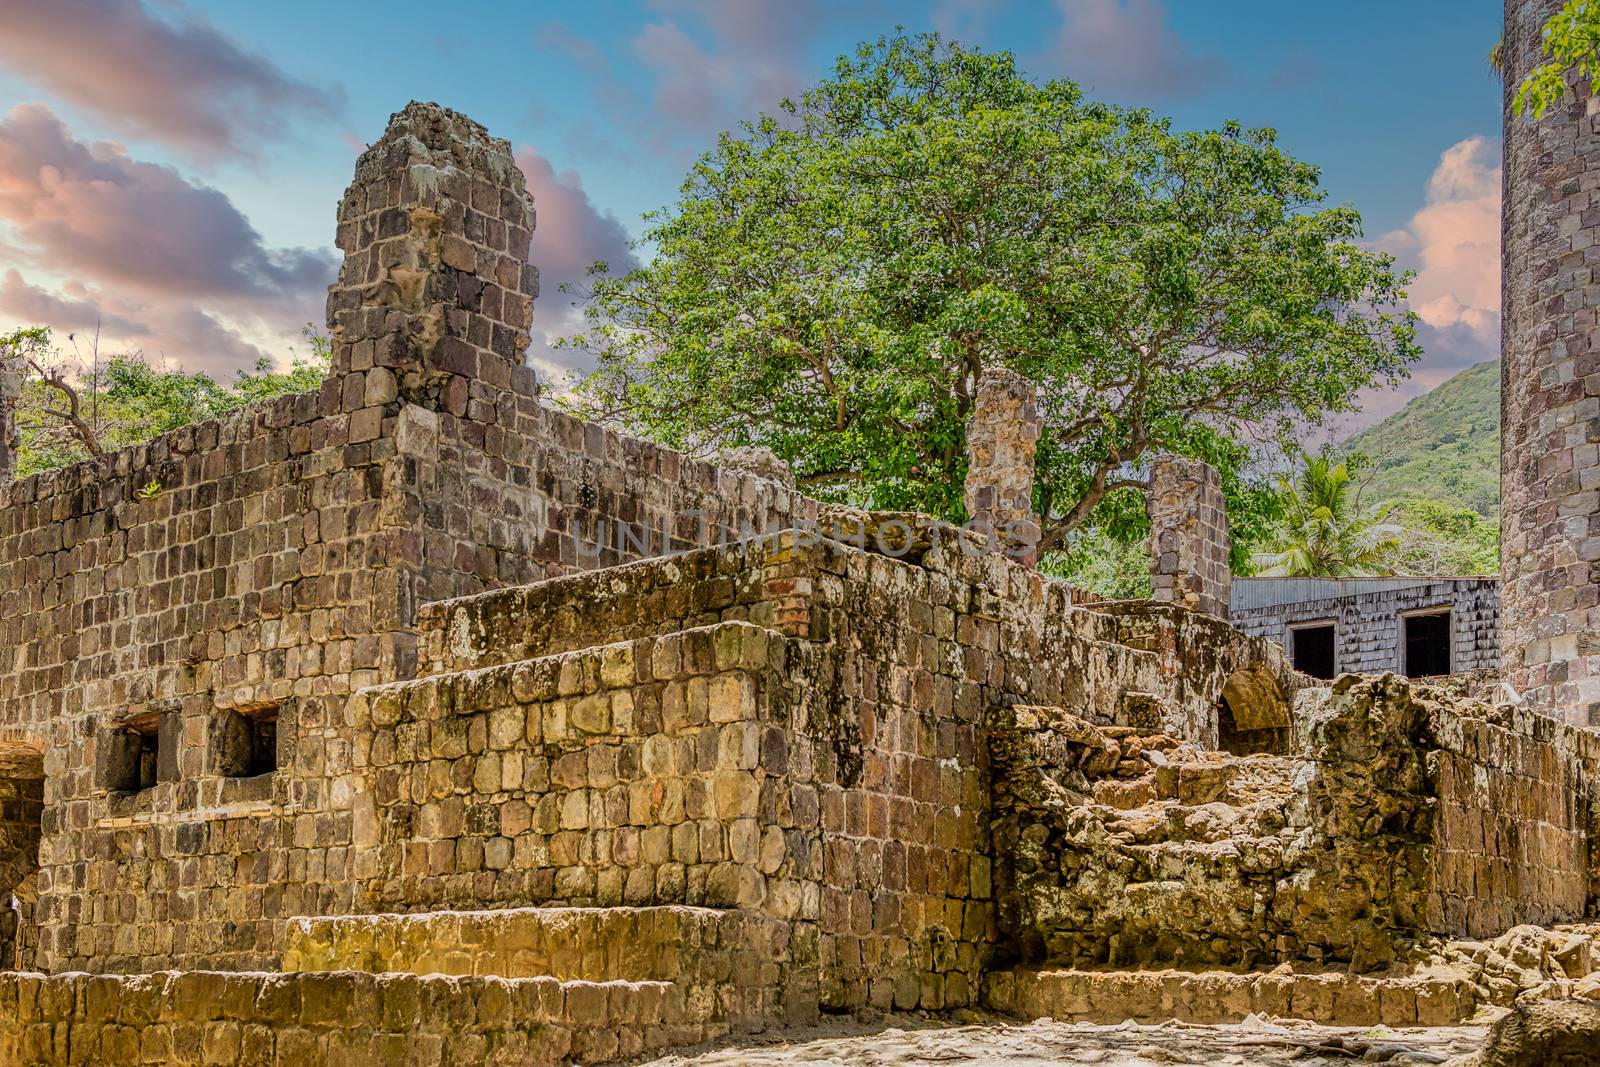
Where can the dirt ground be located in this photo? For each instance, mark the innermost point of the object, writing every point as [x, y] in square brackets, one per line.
[904, 1042]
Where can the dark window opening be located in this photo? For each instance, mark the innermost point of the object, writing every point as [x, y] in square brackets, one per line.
[135, 754]
[246, 742]
[1426, 641]
[1312, 648]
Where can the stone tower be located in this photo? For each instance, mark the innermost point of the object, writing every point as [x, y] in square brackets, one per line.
[1550, 390]
[436, 292]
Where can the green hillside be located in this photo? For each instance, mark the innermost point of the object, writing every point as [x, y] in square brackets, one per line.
[1444, 445]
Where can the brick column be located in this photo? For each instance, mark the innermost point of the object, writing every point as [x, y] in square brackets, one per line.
[436, 292]
[1002, 434]
[10, 435]
[1188, 535]
[1550, 391]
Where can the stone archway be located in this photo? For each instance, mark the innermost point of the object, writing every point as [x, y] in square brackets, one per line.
[21, 822]
[1253, 714]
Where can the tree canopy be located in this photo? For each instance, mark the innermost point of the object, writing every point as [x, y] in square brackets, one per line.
[71, 408]
[1571, 40]
[832, 280]
[1324, 533]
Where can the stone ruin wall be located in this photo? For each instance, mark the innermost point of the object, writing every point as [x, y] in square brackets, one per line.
[830, 767]
[793, 731]
[280, 565]
[1002, 436]
[1401, 815]
[1550, 390]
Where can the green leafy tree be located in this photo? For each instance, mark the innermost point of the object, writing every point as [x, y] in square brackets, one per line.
[1323, 532]
[71, 409]
[832, 281]
[1572, 41]
[1438, 537]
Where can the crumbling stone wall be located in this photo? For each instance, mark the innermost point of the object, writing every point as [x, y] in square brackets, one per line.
[875, 760]
[1550, 530]
[1188, 535]
[1002, 434]
[1402, 814]
[435, 296]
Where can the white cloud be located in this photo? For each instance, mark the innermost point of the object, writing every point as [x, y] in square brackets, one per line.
[1454, 242]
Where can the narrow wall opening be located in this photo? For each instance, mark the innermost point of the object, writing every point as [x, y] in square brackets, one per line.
[21, 827]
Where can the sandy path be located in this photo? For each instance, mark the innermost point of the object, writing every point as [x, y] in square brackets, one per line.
[902, 1042]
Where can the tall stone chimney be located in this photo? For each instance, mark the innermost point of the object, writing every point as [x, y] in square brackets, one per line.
[10, 433]
[1189, 542]
[436, 292]
[1002, 435]
[1550, 390]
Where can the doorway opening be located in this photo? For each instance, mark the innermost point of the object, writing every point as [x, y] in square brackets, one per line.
[1425, 644]
[1312, 649]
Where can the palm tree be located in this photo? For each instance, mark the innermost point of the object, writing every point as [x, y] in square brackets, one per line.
[1324, 534]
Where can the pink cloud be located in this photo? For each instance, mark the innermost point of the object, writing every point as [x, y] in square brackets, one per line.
[91, 209]
[161, 263]
[572, 233]
[713, 63]
[180, 81]
[1453, 243]
[1126, 46]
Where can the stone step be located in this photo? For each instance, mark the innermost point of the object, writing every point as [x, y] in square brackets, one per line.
[641, 599]
[670, 943]
[616, 666]
[333, 1019]
[1110, 996]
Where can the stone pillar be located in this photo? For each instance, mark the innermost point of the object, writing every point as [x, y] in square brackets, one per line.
[1002, 434]
[1188, 535]
[1550, 391]
[435, 297]
[10, 434]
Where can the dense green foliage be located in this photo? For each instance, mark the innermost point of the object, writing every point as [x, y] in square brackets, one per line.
[1442, 538]
[126, 401]
[1444, 445]
[1571, 39]
[832, 281]
[1325, 532]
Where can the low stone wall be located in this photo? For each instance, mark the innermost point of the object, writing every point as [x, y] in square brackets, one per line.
[337, 1019]
[1516, 836]
[1228, 997]
[736, 965]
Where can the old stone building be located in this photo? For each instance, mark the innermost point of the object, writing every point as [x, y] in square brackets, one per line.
[1418, 627]
[415, 721]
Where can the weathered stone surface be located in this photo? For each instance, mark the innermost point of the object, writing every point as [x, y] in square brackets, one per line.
[436, 292]
[1355, 849]
[1543, 1033]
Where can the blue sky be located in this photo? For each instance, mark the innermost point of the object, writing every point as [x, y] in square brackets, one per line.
[238, 123]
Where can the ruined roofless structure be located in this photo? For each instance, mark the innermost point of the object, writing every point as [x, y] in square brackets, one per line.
[388, 730]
